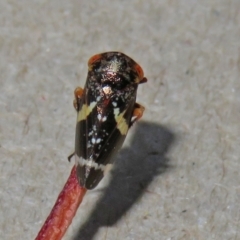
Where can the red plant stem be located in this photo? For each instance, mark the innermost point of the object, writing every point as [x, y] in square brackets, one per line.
[64, 210]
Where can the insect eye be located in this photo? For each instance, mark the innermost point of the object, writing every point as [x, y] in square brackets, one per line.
[94, 59]
[139, 71]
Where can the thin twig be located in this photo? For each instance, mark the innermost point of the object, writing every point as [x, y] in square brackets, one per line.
[64, 210]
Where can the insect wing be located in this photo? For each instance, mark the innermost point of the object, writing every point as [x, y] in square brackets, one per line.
[98, 137]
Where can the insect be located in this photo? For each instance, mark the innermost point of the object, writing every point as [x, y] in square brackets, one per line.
[106, 109]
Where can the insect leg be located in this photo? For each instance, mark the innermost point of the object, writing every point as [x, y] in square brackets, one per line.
[77, 94]
[137, 113]
[70, 156]
[143, 80]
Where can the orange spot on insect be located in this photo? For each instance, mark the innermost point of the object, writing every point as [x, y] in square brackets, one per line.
[139, 71]
[78, 92]
[138, 112]
[94, 59]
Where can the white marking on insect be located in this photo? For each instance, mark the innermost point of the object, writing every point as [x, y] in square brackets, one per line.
[104, 118]
[107, 90]
[89, 163]
[114, 66]
[90, 133]
[99, 117]
[93, 140]
[114, 104]
[133, 118]
[116, 111]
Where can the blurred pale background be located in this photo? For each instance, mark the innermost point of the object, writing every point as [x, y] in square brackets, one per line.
[177, 176]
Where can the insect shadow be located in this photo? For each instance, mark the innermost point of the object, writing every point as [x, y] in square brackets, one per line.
[133, 171]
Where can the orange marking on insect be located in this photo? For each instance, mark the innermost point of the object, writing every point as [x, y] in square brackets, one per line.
[138, 112]
[78, 92]
[94, 59]
[139, 72]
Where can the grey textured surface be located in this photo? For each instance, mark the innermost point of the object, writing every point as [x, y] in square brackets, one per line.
[181, 179]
